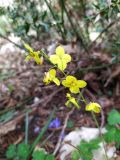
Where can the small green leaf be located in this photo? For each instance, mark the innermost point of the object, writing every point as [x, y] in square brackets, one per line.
[75, 155]
[39, 155]
[50, 157]
[114, 117]
[11, 151]
[23, 151]
[7, 116]
[85, 149]
[112, 135]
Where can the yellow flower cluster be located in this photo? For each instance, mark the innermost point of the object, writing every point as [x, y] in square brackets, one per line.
[60, 60]
[73, 84]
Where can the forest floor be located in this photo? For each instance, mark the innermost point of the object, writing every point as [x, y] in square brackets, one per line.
[22, 89]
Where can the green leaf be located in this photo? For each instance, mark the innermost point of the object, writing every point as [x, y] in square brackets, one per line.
[112, 135]
[50, 157]
[7, 116]
[75, 155]
[23, 151]
[114, 117]
[11, 151]
[85, 149]
[39, 155]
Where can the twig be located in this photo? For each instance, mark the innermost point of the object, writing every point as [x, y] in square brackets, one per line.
[102, 119]
[62, 132]
[97, 67]
[44, 142]
[11, 41]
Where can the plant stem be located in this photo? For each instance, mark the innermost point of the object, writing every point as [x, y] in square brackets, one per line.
[54, 17]
[97, 124]
[74, 29]
[11, 41]
[97, 67]
[26, 128]
[42, 132]
[62, 15]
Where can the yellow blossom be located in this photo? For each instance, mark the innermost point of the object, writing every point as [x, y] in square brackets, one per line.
[95, 107]
[60, 58]
[71, 100]
[33, 55]
[73, 84]
[51, 77]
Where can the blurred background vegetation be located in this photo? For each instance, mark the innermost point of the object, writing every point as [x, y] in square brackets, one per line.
[67, 20]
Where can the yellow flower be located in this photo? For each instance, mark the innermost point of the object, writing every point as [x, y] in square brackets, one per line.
[73, 84]
[33, 55]
[95, 107]
[51, 77]
[71, 100]
[61, 59]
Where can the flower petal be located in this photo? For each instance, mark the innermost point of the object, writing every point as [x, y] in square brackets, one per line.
[66, 58]
[56, 81]
[89, 107]
[95, 107]
[60, 51]
[55, 123]
[46, 78]
[52, 73]
[81, 83]
[73, 101]
[62, 66]
[37, 59]
[27, 58]
[67, 103]
[65, 83]
[97, 110]
[68, 95]
[55, 59]
[70, 79]
[74, 89]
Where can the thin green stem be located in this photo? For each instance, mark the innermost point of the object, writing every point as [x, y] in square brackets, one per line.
[42, 132]
[26, 128]
[62, 15]
[74, 30]
[54, 17]
[84, 100]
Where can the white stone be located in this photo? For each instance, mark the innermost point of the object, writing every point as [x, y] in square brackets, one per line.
[86, 134]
